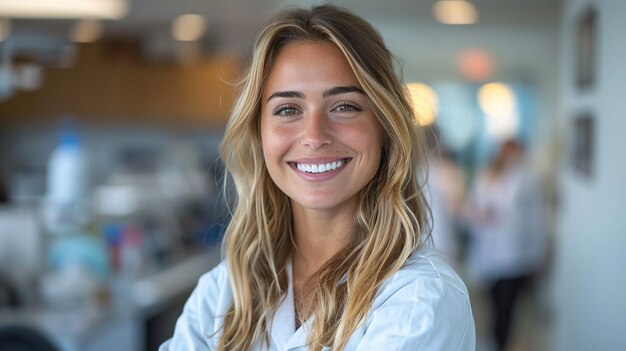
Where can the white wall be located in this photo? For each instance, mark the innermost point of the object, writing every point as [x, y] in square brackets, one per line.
[590, 277]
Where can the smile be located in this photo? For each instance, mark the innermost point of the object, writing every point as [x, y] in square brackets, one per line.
[316, 168]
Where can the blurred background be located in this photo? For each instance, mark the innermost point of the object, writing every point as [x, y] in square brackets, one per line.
[111, 202]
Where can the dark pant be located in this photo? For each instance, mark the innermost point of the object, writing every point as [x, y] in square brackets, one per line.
[504, 294]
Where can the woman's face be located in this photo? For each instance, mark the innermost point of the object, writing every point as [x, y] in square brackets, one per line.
[321, 141]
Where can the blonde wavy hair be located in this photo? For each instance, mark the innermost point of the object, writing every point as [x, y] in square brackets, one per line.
[391, 216]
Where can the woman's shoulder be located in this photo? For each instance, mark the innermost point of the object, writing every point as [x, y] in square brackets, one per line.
[215, 282]
[425, 274]
[428, 263]
[425, 305]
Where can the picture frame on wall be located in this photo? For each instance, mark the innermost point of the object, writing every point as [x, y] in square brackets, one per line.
[586, 43]
[583, 144]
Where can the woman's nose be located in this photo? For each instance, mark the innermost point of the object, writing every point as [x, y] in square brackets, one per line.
[316, 130]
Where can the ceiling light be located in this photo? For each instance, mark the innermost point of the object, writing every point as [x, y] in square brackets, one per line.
[496, 99]
[86, 31]
[424, 101]
[455, 12]
[105, 9]
[498, 102]
[188, 27]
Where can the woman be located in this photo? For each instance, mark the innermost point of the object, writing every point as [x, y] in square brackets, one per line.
[508, 243]
[324, 249]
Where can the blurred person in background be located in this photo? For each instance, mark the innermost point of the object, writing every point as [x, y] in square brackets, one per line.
[326, 244]
[507, 234]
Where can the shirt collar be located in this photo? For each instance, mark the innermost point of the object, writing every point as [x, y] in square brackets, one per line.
[283, 333]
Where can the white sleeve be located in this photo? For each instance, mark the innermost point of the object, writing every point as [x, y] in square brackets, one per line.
[427, 314]
[195, 325]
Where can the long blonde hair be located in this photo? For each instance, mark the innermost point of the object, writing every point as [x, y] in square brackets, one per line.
[391, 214]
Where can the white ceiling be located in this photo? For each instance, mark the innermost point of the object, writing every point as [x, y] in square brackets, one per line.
[224, 15]
[519, 33]
[236, 20]
[247, 10]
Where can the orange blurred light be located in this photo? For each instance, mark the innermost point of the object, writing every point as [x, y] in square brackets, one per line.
[424, 101]
[475, 65]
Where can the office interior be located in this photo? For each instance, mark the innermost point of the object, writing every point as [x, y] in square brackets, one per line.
[141, 90]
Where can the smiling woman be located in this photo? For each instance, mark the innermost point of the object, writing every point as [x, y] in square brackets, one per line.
[326, 248]
[317, 114]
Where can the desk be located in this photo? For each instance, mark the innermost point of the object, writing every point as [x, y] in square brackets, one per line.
[122, 326]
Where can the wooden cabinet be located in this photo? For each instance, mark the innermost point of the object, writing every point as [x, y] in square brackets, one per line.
[109, 86]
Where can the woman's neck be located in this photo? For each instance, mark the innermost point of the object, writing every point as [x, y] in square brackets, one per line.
[319, 235]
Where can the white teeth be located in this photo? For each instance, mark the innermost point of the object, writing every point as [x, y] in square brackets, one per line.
[319, 168]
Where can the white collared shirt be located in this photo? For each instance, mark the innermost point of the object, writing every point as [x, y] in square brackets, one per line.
[423, 306]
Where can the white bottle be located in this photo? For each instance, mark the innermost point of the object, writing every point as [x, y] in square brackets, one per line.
[66, 206]
[66, 171]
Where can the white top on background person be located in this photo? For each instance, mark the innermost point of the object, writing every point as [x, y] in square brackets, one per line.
[508, 235]
[324, 153]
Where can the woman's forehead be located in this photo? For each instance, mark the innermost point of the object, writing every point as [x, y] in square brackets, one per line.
[302, 64]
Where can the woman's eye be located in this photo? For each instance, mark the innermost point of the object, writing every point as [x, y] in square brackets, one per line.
[345, 107]
[285, 111]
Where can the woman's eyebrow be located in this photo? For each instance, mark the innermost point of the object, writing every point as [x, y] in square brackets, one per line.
[342, 90]
[326, 93]
[286, 94]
